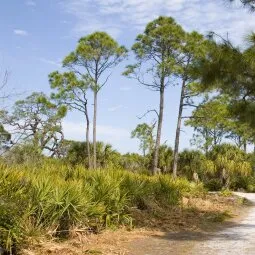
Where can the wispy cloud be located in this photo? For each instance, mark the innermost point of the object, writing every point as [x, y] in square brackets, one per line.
[116, 16]
[51, 62]
[115, 108]
[20, 32]
[30, 3]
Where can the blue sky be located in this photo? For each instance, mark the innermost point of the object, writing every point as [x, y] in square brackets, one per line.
[37, 34]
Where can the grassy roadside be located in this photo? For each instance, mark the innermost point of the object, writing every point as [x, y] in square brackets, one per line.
[195, 213]
[51, 201]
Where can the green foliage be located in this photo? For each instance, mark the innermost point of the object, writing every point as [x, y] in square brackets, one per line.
[107, 157]
[190, 162]
[158, 55]
[96, 46]
[214, 184]
[24, 154]
[76, 153]
[135, 162]
[169, 190]
[88, 64]
[210, 121]
[96, 53]
[5, 139]
[227, 162]
[194, 48]
[165, 158]
[71, 90]
[53, 198]
[13, 207]
[159, 46]
[37, 120]
[41, 196]
[144, 133]
[242, 183]
[226, 65]
[213, 121]
[225, 166]
[226, 193]
[251, 158]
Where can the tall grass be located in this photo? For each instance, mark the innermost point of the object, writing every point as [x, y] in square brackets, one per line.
[54, 198]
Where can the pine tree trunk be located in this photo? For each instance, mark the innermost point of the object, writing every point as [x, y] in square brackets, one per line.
[160, 122]
[239, 142]
[87, 135]
[206, 142]
[245, 146]
[94, 131]
[178, 131]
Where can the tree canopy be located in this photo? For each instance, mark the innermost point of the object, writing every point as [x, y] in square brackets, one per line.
[92, 59]
[38, 120]
[230, 70]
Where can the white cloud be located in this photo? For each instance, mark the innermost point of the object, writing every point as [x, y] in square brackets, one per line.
[51, 62]
[115, 108]
[118, 16]
[30, 3]
[20, 32]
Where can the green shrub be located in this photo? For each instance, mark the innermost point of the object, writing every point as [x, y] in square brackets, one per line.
[53, 198]
[213, 185]
[14, 197]
[226, 193]
[239, 182]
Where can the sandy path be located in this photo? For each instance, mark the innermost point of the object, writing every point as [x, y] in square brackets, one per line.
[238, 239]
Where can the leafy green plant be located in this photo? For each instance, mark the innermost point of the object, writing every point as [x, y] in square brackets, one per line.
[54, 198]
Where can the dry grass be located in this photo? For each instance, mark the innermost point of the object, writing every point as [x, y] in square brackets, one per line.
[195, 214]
[108, 242]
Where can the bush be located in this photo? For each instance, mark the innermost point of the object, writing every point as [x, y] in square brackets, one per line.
[24, 154]
[53, 198]
[14, 189]
[239, 182]
[246, 183]
[213, 185]
[190, 162]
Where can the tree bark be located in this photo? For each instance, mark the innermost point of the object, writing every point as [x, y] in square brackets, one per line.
[160, 122]
[87, 135]
[245, 146]
[94, 131]
[206, 144]
[178, 130]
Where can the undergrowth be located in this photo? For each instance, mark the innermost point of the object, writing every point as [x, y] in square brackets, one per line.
[52, 199]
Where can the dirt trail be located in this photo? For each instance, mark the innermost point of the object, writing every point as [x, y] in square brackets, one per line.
[237, 238]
